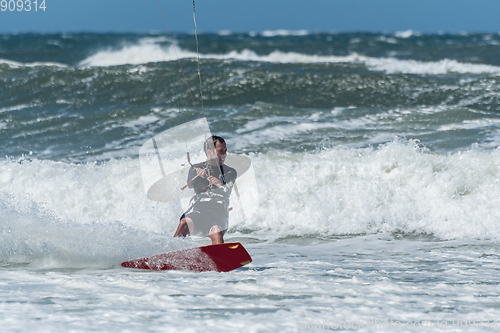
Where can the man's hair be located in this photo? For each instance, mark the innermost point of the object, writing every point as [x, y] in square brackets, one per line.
[211, 142]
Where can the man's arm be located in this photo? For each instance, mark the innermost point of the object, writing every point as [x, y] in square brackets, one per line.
[197, 178]
[230, 177]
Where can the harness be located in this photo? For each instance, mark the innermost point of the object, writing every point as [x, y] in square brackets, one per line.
[209, 196]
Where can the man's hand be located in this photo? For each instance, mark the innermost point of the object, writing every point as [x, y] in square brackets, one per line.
[215, 181]
[201, 172]
[212, 180]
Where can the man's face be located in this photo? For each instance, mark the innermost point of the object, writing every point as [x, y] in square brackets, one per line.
[219, 153]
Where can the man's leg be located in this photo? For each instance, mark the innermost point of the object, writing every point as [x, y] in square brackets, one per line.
[216, 235]
[184, 228]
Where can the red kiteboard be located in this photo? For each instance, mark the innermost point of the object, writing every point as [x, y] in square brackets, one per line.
[222, 257]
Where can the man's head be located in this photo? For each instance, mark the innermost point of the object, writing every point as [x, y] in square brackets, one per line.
[215, 149]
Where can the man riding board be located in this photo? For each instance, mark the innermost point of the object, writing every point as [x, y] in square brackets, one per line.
[212, 182]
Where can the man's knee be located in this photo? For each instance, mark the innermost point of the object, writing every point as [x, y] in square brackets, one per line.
[216, 234]
[214, 230]
[186, 226]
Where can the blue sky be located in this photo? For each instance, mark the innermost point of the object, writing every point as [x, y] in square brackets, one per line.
[256, 15]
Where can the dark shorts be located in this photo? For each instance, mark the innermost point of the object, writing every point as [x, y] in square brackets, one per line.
[203, 222]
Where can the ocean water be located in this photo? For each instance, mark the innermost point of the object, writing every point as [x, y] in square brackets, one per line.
[375, 157]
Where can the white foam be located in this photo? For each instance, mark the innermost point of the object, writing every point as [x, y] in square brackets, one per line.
[77, 212]
[76, 215]
[471, 124]
[147, 51]
[86, 193]
[397, 187]
[445, 66]
[389, 65]
[225, 33]
[406, 34]
[289, 57]
[16, 107]
[142, 121]
[284, 32]
[17, 64]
